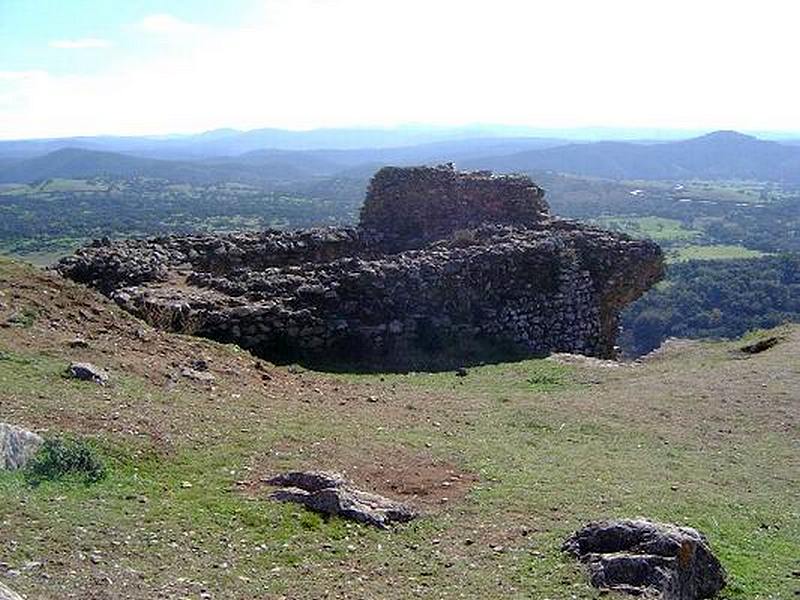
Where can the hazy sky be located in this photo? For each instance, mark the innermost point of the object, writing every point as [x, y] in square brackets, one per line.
[85, 67]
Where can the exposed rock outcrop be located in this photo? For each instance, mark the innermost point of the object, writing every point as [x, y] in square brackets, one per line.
[648, 559]
[445, 269]
[331, 494]
[17, 446]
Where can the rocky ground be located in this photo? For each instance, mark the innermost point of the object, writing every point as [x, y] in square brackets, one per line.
[503, 462]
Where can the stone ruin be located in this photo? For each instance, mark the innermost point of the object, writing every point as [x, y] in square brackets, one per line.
[445, 269]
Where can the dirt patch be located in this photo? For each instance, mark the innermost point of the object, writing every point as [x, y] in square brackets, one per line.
[419, 480]
[416, 478]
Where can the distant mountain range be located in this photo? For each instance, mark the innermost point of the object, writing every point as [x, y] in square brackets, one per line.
[232, 142]
[718, 155]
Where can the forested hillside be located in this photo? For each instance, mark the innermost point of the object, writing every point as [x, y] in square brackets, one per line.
[715, 299]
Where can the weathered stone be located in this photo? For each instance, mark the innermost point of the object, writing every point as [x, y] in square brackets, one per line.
[412, 206]
[331, 494]
[6, 593]
[310, 481]
[446, 269]
[78, 342]
[201, 376]
[88, 372]
[17, 446]
[645, 558]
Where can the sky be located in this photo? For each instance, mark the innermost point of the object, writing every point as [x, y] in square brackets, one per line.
[130, 67]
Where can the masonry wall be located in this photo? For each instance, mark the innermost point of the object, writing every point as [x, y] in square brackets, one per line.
[446, 269]
[410, 207]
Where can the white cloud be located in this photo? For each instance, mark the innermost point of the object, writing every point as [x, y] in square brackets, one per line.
[21, 75]
[317, 63]
[166, 24]
[80, 43]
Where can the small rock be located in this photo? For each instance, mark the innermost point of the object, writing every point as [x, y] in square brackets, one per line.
[88, 372]
[78, 342]
[461, 372]
[17, 446]
[202, 376]
[199, 364]
[6, 593]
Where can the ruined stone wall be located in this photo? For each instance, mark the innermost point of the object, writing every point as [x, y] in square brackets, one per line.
[410, 207]
[484, 274]
[108, 265]
[454, 305]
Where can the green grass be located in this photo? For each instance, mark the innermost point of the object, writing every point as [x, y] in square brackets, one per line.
[552, 448]
[654, 228]
[54, 186]
[528, 376]
[72, 185]
[722, 191]
[554, 470]
[713, 252]
[40, 251]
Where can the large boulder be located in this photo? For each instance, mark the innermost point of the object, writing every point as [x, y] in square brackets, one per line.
[641, 557]
[17, 446]
[331, 494]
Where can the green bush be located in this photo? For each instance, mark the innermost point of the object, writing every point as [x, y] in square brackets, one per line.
[62, 457]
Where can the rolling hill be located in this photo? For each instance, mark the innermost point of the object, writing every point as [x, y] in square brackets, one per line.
[231, 142]
[76, 163]
[719, 155]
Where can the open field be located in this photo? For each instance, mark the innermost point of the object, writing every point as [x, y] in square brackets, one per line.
[735, 191]
[504, 463]
[712, 252]
[654, 228]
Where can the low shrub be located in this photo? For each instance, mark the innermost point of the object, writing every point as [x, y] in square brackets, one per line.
[65, 457]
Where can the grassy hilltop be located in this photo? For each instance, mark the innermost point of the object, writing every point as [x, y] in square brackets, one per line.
[504, 463]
